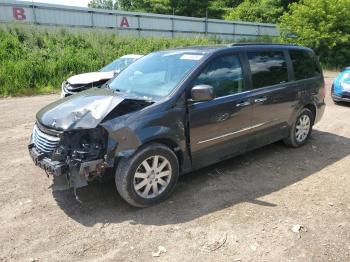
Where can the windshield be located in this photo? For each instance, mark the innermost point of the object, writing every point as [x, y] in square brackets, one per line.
[118, 65]
[157, 74]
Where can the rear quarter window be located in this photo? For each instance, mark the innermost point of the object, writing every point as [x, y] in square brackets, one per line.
[304, 64]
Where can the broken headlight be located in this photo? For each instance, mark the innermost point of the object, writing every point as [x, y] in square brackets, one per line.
[82, 145]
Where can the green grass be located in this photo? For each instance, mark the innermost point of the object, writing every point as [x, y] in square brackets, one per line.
[35, 60]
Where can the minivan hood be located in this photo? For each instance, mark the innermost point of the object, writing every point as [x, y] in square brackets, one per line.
[82, 111]
[88, 78]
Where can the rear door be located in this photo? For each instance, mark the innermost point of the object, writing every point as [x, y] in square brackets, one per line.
[273, 94]
[219, 128]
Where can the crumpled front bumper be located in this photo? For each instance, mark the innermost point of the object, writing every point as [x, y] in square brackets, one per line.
[53, 167]
[74, 173]
[344, 97]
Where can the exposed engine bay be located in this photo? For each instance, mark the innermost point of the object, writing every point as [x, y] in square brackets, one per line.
[76, 157]
[71, 141]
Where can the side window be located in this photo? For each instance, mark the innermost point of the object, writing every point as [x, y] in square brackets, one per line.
[304, 64]
[224, 74]
[268, 68]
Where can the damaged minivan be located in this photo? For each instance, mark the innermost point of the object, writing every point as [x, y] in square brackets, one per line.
[179, 110]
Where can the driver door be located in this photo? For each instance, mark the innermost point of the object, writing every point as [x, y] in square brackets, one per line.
[219, 128]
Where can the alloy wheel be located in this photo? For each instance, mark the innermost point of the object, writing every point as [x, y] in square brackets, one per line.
[152, 176]
[302, 128]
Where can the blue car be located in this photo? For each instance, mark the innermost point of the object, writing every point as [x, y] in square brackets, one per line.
[341, 86]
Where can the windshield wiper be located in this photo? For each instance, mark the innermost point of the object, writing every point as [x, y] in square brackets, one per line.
[130, 95]
[138, 97]
[109, 87]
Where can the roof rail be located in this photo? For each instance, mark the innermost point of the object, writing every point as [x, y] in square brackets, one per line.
[257, 43]
[201, 46]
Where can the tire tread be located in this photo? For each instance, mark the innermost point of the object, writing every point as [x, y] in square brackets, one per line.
[126, 165]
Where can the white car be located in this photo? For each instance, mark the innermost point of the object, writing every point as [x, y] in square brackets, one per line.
[85, 81]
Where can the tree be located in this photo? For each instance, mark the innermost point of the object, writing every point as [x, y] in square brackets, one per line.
[105, 4]
[322, 25]
[219, 8]
[286, 3]
[124, 4]
[265, 11]
[195, 8]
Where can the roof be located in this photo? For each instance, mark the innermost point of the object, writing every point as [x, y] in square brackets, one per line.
[213, 48]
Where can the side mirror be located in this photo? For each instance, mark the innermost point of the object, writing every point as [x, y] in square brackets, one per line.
[202, 93]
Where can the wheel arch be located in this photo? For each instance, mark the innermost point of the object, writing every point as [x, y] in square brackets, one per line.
[312, 108]
[170, 143]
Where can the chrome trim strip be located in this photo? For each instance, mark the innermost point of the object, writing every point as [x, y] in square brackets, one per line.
[255, 91]
[232, 133]
[44, 142]
[48, 137]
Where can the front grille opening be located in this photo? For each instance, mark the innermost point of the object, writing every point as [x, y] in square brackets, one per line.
[43, 142]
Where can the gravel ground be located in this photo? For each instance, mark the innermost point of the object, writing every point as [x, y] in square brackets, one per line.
[243, 209]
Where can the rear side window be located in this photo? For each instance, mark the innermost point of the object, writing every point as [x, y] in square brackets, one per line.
[304, 64]
[224, 74]
[268, 68]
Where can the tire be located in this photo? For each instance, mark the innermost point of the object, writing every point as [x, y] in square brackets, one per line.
[295, 140]
[136, 175]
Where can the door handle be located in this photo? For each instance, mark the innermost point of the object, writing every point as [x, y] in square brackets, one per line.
[246, 103]
[260, 100]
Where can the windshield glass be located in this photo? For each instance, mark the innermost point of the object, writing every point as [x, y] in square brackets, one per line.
[157, 74]
[118, 65]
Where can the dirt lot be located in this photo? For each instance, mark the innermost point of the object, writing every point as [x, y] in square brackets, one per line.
[242, 209]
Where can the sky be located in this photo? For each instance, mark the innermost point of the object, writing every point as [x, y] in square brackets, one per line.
[83, 3]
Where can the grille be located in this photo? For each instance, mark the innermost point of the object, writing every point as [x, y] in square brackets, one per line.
[44, 142]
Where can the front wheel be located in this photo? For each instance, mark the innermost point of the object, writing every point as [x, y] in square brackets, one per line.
[301, 129]
[147, 177]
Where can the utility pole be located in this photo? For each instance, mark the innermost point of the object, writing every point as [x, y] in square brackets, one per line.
[206, 21]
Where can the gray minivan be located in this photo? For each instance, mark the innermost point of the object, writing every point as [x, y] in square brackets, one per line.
[178, 110]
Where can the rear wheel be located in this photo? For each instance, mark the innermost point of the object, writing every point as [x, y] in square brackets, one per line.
[301, 129]
[148, 177]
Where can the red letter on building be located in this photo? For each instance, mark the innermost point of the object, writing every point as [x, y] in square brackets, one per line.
[124, 22]
[18, 13]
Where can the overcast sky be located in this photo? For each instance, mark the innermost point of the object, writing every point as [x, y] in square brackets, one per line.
[83, 3]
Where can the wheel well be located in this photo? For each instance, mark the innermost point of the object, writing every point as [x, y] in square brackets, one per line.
[172, 145]
[312, 108]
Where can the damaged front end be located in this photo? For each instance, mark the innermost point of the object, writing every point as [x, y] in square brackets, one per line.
[73, 157]
[70, 142]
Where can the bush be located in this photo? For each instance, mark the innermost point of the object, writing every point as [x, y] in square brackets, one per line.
[322, 25]
[263, 11]
[36, 60]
